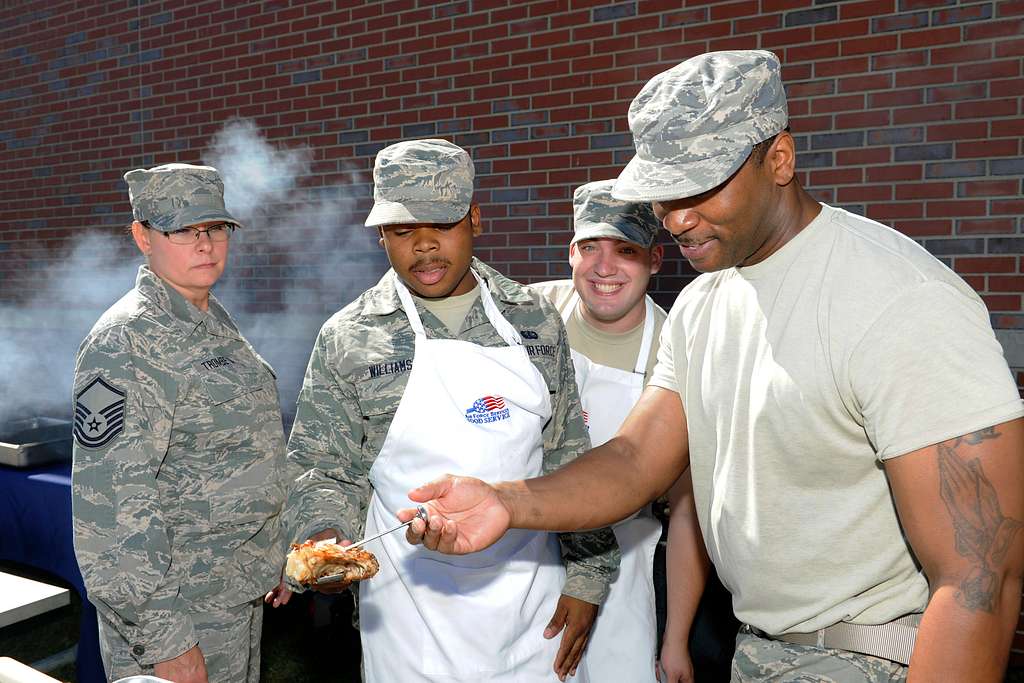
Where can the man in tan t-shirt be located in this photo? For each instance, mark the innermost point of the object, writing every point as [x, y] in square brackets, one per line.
[853, 432]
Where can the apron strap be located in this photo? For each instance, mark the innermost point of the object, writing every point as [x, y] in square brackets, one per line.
[502, 327]
[645, 340]
[648, 338]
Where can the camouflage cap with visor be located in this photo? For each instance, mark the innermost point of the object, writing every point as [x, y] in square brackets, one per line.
[421, 181]
[597, 214]
[174, 196]
[694, 125]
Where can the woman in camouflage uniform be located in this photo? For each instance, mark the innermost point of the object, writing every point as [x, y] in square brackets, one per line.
[179, 451]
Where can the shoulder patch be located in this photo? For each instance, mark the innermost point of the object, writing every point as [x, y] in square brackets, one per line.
[99, 413]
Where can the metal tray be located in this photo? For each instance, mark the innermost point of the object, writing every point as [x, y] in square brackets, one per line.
[35, 441]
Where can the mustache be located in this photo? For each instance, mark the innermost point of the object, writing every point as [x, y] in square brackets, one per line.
[428, 263]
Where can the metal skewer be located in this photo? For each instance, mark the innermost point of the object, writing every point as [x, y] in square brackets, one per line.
[421, 513]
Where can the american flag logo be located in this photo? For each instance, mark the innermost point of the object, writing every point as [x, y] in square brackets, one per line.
[586, 418]
[487, 409]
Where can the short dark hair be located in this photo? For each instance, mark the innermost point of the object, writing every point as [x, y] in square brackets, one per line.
[760, 150]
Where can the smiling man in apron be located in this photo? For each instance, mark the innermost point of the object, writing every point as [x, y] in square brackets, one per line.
[613, 327]
[446, 366]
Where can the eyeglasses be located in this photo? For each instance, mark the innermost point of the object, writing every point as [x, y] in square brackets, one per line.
[184, 236]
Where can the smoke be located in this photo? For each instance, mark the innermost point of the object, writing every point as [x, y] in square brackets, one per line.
[42, 334]
[301, 255]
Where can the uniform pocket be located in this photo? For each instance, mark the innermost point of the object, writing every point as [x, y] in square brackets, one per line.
[226, 383]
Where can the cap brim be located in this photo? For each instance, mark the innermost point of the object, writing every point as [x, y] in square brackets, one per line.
[604, 231]
[193, 215]
[403, 213]
[651, 181]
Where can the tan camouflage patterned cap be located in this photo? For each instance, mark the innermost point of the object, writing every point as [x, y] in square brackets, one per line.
[597, 214]
[695, 124]
[421, 181]
[173, 196]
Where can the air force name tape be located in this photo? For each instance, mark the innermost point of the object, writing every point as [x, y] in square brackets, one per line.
[99, 413]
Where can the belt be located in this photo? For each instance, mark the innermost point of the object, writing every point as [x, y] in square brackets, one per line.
[893, 640]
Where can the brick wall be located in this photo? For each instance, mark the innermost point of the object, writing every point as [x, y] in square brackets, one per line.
[907, 111]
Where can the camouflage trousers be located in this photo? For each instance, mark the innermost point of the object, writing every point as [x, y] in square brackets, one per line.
[228, 637]
[761, 659]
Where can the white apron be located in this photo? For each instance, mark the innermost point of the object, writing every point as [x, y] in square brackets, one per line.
[479, 411]
[623, 643]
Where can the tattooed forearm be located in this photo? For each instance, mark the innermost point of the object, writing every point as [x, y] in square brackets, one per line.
[983, 534]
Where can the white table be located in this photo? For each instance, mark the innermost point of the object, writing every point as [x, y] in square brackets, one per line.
[13, 671]
[22, 598]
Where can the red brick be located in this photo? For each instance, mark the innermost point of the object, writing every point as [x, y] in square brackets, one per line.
[840, 103]
[989, 188]
[924, 76]
[812, 52]
[891, 173]
[930, 112]
[1012, 207]
[985, 109]
[1012, 87]
[857, 157]
[870, 8]
[994, 226]
[841, 30]
[837, 176]
[789, 36]
[1010, 48]
[985, 264]
[1006, 283]
[901, 59]
[957, 131]
[929, 37]
[988, 148]
[885, 212]
[864, 193]
[895, 98]
[873, 44]
[955, 208]
[1002, 302]
[925, 191]
[1008, 127]
[865, 82]
[923, 228]
[758, 23]
[1012, 28]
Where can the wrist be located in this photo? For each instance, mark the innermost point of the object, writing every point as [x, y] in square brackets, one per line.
[511, 495]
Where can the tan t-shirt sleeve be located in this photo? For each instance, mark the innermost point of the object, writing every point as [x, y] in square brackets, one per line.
[928, 369]
[664, 374]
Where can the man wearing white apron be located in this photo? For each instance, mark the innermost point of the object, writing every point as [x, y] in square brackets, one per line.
[613, 327]
[446, 366]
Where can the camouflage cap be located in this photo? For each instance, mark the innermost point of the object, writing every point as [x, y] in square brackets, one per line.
[172, 196]
[597, 214]
[421, 181]
[695, 124]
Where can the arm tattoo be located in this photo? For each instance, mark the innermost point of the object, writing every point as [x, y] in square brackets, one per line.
[983, 534]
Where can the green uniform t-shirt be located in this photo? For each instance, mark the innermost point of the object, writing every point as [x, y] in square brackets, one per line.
[616, 350]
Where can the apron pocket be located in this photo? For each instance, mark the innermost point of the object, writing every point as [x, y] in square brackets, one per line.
[472, 616]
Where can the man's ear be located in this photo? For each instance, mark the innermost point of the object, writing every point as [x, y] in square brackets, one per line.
[781, 158]
[474, 219]
[380, 239]
[141, 236]
[657, 257]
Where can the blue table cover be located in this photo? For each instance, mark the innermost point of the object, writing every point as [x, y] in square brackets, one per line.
[35, 530]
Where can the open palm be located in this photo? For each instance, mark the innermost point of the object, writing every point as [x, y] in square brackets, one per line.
[465, 515]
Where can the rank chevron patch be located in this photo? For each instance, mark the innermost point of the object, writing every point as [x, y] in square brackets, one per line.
[99, 413]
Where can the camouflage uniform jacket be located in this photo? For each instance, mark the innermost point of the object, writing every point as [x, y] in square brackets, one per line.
[179, 469]
[355, 380]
